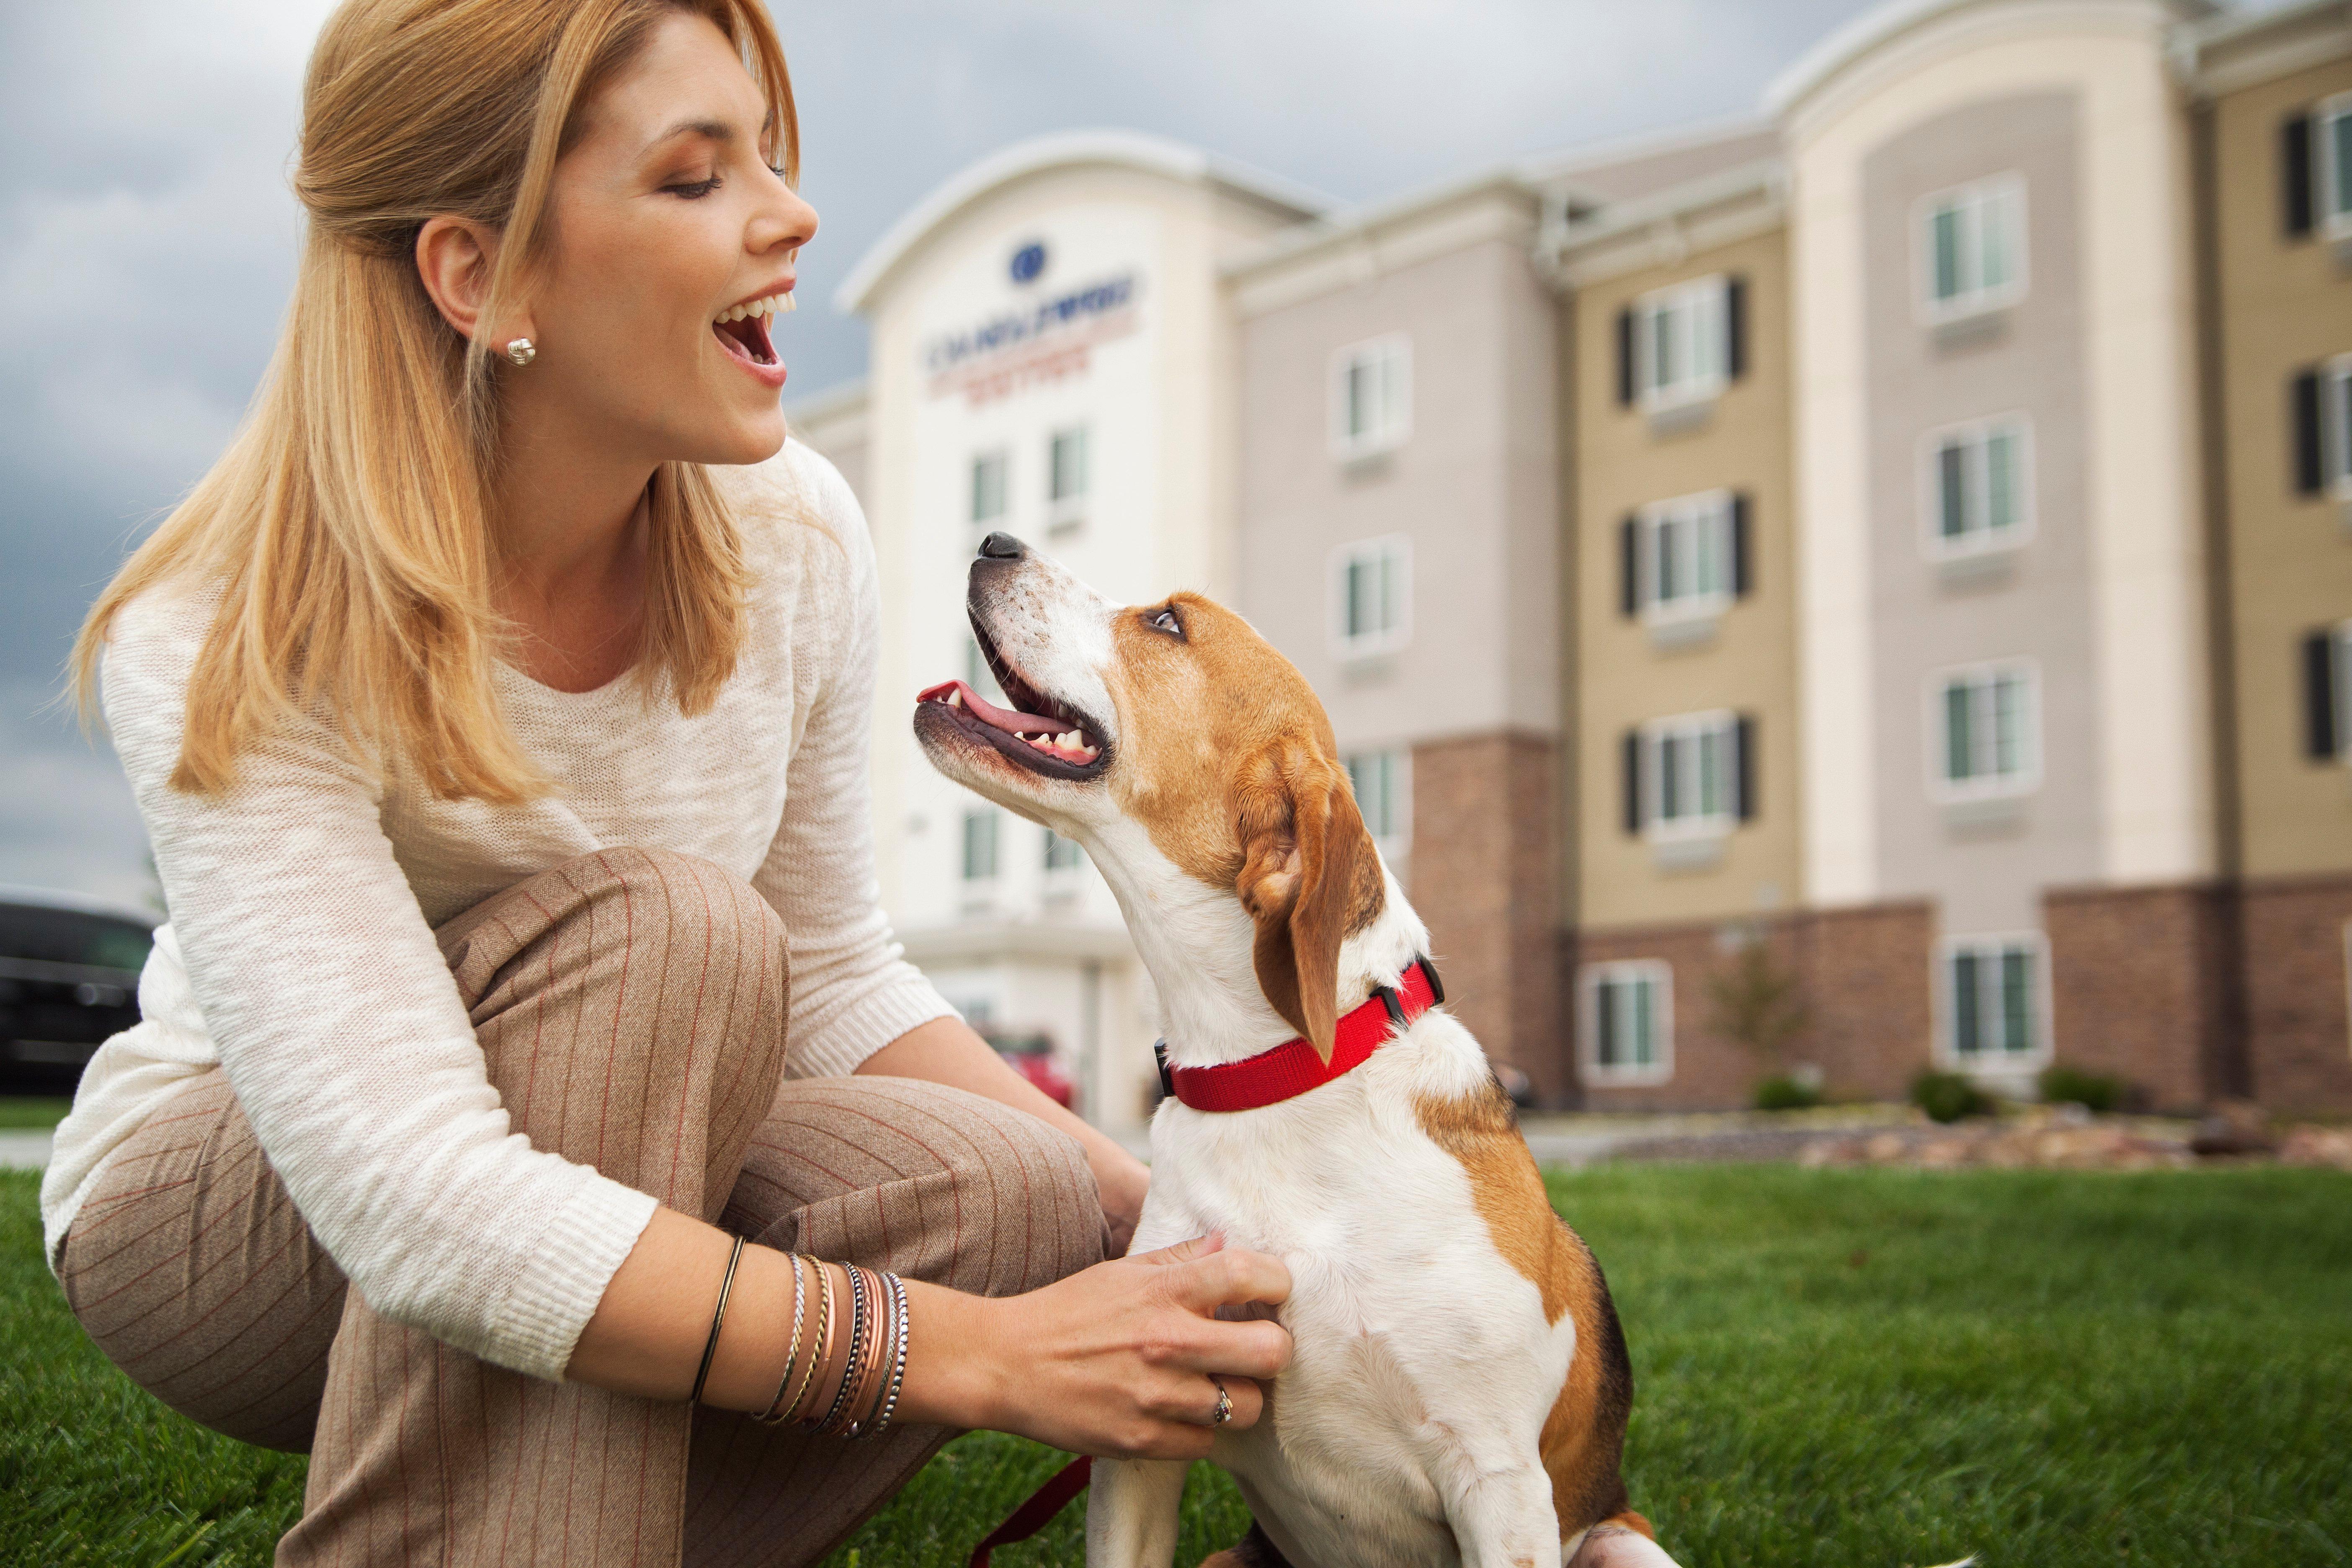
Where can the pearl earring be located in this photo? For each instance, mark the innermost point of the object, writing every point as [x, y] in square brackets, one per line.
[522, 352]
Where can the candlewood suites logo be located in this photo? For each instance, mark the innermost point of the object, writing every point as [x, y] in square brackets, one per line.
[1017, 346]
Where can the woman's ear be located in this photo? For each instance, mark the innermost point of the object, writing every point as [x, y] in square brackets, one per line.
[1309, 875]
[455, 257]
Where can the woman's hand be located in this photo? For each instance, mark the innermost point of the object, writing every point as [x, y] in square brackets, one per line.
[1116, 1361]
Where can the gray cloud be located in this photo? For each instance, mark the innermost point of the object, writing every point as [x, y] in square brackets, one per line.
[147, 235]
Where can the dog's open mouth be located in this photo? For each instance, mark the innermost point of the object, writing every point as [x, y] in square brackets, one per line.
[1038, 732]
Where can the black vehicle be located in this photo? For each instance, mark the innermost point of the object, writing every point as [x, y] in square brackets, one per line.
[68, 979]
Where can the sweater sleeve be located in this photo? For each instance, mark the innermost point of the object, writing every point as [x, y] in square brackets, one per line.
[852, 990]
[343, 1035]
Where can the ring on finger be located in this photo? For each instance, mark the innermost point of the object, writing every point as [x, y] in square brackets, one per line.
[1224, 1411]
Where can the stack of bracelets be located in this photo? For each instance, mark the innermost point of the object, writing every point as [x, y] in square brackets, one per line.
[834, 1381]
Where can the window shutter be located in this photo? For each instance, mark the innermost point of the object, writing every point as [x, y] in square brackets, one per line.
[1625, 356]
[2295, 175]
[1735, 326]
[1629, 566]
[2321, 741]
[1743, 577]
[2305, 416]
[1744, 759]
[1632, 781]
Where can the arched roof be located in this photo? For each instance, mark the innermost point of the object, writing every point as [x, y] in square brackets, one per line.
[1067, 150]
[1881, 26]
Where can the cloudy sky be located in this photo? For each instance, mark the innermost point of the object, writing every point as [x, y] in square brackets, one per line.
[147, 235]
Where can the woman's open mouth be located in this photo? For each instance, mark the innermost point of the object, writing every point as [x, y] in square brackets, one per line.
[1039, 733]
[742, 331]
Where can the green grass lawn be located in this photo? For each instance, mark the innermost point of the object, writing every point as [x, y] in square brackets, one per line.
[1861, 1367]
[39, 1112]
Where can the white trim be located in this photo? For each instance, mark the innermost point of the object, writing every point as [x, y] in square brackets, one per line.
[1721, 722]
[1941, 786]
[1367, 645]
[1067, 150]
[2325, 223]
[1714, 508]
[1991, 1063]
[1708, 300]
[1977, 195]
[1394, 427]
[1976, 434]
[2339, 688]
[1660, 976]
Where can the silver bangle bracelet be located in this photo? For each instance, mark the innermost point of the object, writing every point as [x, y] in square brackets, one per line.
[898, 1356]
[774, 1414]
[857, 1330]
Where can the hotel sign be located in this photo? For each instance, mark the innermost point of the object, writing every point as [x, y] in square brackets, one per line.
[1013, 350]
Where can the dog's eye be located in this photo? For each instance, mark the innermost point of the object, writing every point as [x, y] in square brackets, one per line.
[1165, 620]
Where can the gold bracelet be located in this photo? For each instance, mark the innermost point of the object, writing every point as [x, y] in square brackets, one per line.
[774, 1413]
[820, 1352]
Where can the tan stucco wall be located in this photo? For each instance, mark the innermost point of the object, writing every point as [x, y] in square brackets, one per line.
[2285, 304]
[1623, 679]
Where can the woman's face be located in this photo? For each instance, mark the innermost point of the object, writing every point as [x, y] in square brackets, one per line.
[666, 219]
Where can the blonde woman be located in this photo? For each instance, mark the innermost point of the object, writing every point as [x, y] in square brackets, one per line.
[498, 708]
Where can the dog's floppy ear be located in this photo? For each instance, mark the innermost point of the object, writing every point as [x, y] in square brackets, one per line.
[1309, 875]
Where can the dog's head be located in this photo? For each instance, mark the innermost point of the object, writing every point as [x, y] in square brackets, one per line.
[1172, 734]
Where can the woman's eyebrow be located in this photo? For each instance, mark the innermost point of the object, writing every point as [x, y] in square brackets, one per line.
[719, 131]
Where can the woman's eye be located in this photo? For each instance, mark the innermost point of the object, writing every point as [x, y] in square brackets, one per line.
[1166, 621]
[781, 173]
[693, 190]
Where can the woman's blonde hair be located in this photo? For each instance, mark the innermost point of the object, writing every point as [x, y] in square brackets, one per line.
[349, 521]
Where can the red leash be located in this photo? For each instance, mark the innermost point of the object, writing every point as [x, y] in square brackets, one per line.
[1038, 1513]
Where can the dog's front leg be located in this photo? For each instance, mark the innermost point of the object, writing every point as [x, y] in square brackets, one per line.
[1133, 1508]
[1504, 1519]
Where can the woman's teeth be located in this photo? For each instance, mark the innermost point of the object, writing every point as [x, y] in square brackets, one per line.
[771, 305]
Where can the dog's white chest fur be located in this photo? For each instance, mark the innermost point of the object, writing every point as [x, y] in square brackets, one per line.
[1424, 1365]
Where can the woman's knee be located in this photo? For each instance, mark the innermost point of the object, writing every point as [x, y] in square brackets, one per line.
[934, 1182]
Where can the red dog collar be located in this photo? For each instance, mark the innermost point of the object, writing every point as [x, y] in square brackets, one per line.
[1290, 1069]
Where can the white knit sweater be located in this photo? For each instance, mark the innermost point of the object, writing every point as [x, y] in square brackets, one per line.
[300, 955]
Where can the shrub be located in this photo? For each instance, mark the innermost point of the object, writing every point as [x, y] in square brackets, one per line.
[1782, 1092]
[2091, 1090]
[1947, 1097]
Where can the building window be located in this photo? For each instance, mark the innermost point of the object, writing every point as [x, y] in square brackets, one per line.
[1682, 343]
[1066, 478]
[1980, 487]
[1372, 396]
[1383, 784]
[1629, 1022]
[980, 846]
[1684, 558]
[2321, 413]
[1371, 597]
[976, 673]
[1062, 854]
[1987, 725]
[2331, 135]
[1993, 1000]
[1691, 775]
[1972, 248]
[2328, 693]
[988, 487]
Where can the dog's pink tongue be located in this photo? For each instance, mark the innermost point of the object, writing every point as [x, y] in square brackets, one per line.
[989, 712]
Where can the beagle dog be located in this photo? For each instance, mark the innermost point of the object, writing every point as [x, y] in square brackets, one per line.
[1459, 1387]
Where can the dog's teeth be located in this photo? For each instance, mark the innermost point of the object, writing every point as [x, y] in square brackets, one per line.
[1088, 753]
[955, 699]
[1070, 739]
[1042, 743]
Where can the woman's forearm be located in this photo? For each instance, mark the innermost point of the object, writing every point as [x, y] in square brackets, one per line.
[947, 1050]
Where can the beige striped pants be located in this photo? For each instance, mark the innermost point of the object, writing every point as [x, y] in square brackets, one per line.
[630, 1005]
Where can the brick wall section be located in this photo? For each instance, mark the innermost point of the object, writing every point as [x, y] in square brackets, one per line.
[2300, 1041]
[1483, 877]
[2141, 987]
[1863, 974]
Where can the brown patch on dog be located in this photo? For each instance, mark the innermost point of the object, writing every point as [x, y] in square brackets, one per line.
[1583, 1439]
[1252, 1551]
[1227, 760]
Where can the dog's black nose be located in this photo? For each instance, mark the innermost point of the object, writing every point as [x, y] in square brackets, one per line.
[1002, 547]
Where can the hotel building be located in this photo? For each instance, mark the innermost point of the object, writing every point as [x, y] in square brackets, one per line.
[1885, 562]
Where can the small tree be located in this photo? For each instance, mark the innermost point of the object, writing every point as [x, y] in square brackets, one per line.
[1758, 1004]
